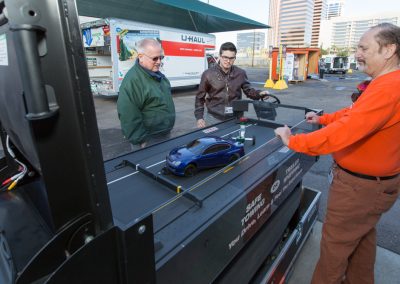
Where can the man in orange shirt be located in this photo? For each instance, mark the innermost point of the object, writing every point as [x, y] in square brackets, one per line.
[364, 142]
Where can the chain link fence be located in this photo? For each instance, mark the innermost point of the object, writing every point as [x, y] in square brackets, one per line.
[257, 61]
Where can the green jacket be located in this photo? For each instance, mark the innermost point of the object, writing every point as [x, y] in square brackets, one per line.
[145, 106]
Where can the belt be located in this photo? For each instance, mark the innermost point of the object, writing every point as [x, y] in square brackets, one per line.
[366, 176]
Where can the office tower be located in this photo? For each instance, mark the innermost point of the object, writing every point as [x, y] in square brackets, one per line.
[273, 22]
[292, 22]
[345, 32]
[334, 8]
[319, 13]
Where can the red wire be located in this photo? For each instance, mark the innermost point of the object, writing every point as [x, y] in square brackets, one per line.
[6, 181]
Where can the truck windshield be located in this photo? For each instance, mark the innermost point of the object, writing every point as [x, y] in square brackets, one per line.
[339, 62]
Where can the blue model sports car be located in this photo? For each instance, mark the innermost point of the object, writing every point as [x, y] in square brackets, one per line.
[202, 153]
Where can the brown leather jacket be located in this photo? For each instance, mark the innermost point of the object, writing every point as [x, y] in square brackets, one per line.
[218, 89]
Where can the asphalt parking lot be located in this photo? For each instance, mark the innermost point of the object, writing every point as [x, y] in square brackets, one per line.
[331, 93]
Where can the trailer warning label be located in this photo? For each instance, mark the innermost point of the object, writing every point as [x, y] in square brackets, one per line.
[259, 204]
[257, 211]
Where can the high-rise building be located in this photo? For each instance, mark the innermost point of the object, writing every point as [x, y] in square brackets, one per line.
[346, 32]
[319, 14]
[334, 9]
[250, 40]
[292, 22]
[273, 22]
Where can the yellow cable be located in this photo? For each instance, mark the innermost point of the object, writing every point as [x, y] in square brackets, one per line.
[12, 185]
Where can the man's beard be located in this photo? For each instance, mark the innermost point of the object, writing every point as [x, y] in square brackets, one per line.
[361, 67]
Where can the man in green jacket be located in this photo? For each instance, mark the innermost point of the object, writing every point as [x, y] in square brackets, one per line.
[145, 106]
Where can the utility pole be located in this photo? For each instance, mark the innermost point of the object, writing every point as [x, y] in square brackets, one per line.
[254, 43]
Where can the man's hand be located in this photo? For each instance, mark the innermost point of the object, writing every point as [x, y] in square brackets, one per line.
[284, 133]
[143, 145]
[264, 94]
[312, 117]
[201, 123]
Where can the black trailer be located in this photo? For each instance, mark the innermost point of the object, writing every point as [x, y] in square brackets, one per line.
[222, 224]
[71, 218]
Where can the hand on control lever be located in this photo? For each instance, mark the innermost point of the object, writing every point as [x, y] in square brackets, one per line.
[284, 133]
[312, 117]
[264, 94]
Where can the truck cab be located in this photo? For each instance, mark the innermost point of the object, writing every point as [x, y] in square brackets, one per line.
[335, 64]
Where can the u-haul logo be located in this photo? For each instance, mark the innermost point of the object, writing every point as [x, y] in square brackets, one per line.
[194, 39]
[275, 186]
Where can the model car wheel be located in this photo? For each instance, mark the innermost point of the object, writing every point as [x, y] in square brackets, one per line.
[165, 171]
[233, 158]
[190, 170]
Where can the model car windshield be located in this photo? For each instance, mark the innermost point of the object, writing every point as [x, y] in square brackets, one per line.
[196, 147]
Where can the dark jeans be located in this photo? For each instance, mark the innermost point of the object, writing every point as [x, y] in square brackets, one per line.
[321, 73]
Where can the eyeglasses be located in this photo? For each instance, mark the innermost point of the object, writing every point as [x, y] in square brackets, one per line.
[226, 58]
[155, 59]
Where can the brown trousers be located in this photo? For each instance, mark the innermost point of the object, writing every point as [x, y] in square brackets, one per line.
[348, 244]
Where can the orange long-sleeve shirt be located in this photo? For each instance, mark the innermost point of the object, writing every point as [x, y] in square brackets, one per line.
[365, 137]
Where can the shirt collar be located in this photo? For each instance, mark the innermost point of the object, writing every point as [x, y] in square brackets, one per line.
[222, 71]
[155, 75]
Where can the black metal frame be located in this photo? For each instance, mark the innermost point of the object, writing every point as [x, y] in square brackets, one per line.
[59, 110]
[62, 126]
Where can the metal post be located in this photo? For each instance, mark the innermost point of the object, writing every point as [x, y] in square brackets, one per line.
[254, 43]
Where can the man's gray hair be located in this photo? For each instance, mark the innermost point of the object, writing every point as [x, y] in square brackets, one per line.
[142, 45]
[388, 34]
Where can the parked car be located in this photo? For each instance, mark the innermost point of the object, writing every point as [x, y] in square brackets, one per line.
[211, 60]
[203, 153]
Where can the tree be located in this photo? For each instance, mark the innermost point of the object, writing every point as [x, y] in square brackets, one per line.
[344, 51]
[339, 51]
[324, 51]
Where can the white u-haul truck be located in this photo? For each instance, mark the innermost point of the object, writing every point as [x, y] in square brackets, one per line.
[110, 49]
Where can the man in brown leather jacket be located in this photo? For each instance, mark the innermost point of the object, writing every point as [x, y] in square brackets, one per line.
[220, 85]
